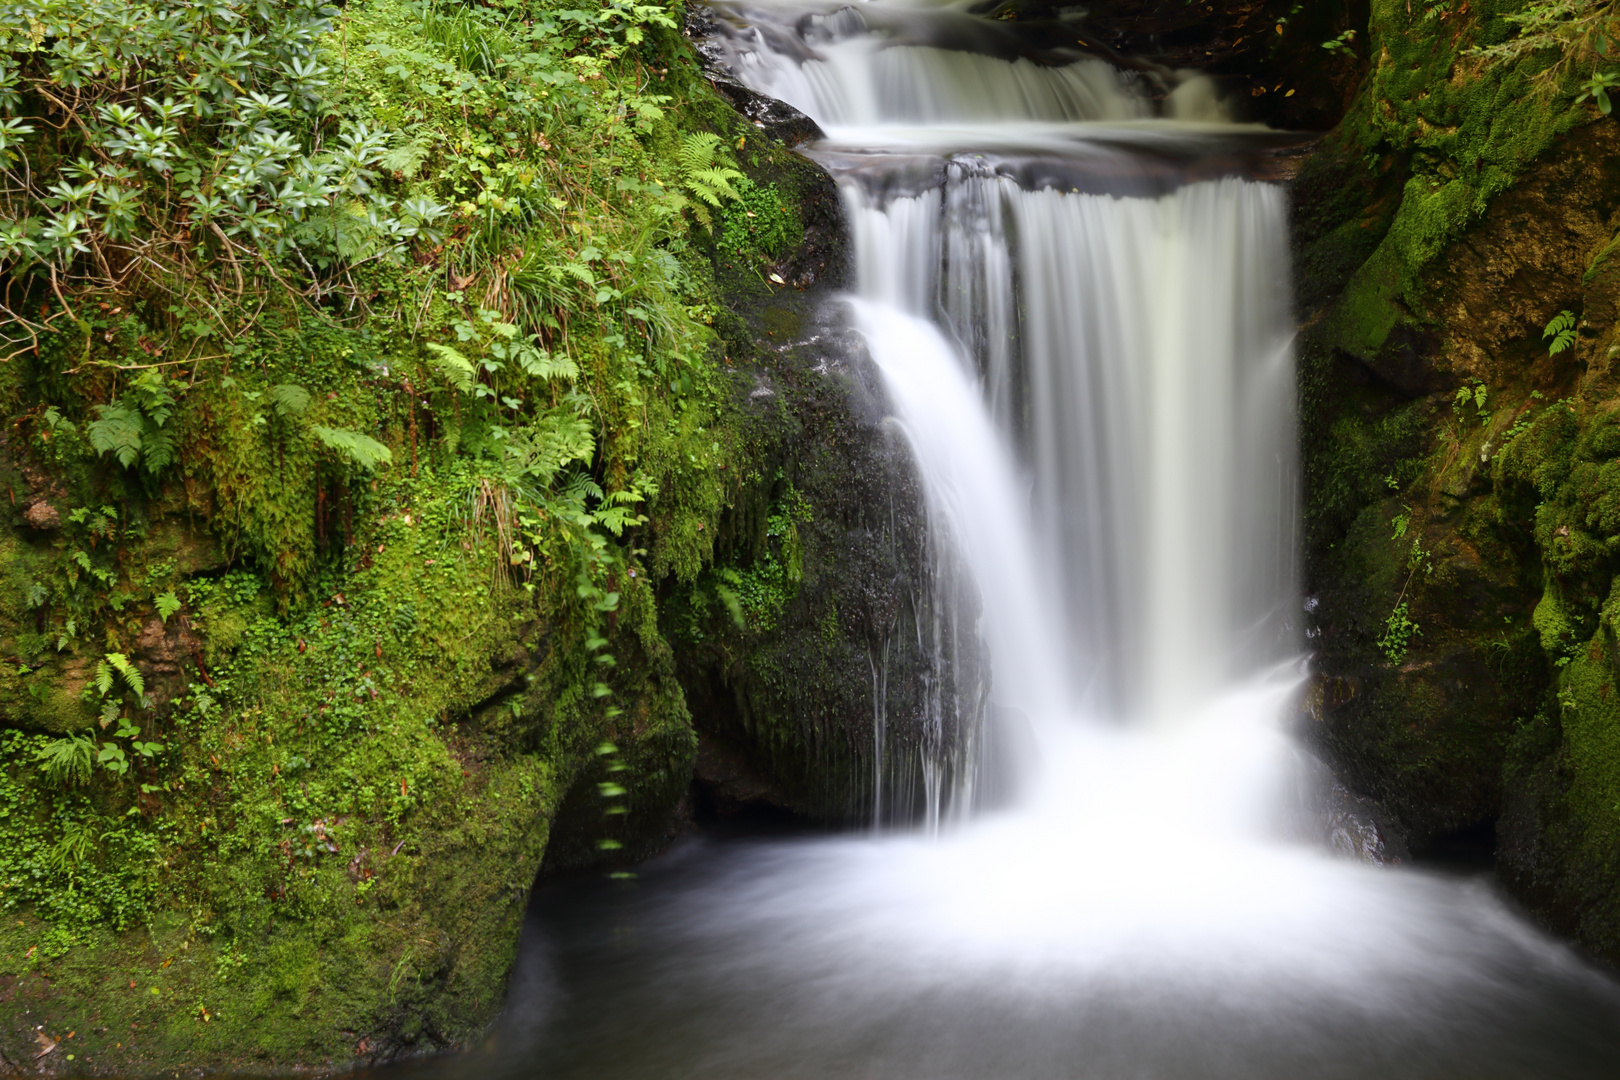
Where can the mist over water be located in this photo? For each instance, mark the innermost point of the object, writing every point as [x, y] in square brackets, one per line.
[1094, 375]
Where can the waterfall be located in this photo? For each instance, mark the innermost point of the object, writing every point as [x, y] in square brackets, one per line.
[1093, 371]
[1137, 351]
[1079, 308]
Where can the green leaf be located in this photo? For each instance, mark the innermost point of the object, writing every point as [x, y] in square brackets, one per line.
[167, 604]
[113, 759]
[288, 399]
[363, 450]
[1562, 331]
[118, 432]
[454, 366]
[131, 674]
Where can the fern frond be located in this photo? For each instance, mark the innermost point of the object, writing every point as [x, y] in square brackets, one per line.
[544, 364]
[706, 170]
[158, 449]
[131, 673]
[117, 432]
[363, 450]
[289, 399]
[1562, 332]
[696, 151]
[67, 759]
[454, 366]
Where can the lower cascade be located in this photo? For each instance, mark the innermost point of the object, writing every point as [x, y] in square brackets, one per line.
[1077, 298]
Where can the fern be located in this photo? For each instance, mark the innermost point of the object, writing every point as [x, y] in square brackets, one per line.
[535, 455]
[706, 170]
[541, 363]
[453, 366]
[617, 512]
[118, 662]
[118, 432]
[363, 450]
[158, 449]
[1562, 332]
[167, 604]
[133, 429]
[288, 399]
[406, 155]
[66, 760]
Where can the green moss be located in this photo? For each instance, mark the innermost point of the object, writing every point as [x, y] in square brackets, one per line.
[1552, 622]
[1590, 718]
[752, 591]
[380, 702]
[1463, 130]
[763, 222]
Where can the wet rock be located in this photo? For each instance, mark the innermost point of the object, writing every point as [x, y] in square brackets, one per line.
[166, 653]
[727, 785]
[1327, 814]
[777, 119]
[42, 515]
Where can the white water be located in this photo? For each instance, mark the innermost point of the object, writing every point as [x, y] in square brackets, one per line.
[1139, 349]
[1098, 393]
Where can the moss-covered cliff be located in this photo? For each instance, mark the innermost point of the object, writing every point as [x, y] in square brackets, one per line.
[1460, 441]
[381, 481]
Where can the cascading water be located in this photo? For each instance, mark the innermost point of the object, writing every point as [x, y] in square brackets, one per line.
[1083, 327]
[1138, 349]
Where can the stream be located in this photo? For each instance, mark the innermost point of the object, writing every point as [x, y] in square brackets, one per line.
[1075, 285]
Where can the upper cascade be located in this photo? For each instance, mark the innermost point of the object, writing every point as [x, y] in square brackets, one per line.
[845, 67]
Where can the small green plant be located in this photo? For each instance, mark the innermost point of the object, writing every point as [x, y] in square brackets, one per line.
[1597, 88]
[73, 847]
[707, 171]
[759, 221]
[112, 756]
[1399, 630]
[1475, 395]
[133, 429]
[1419, 559]
[66, 760]
[1561, 331]
[1341, 44]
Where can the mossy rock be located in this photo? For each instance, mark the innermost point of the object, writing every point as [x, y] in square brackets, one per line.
[1456, 210]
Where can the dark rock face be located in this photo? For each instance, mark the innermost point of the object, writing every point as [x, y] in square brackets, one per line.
[827, 686]
[777, 119]
[1462, 553]
[795, 697]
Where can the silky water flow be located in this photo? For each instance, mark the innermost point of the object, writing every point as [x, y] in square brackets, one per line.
[1085, 339]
